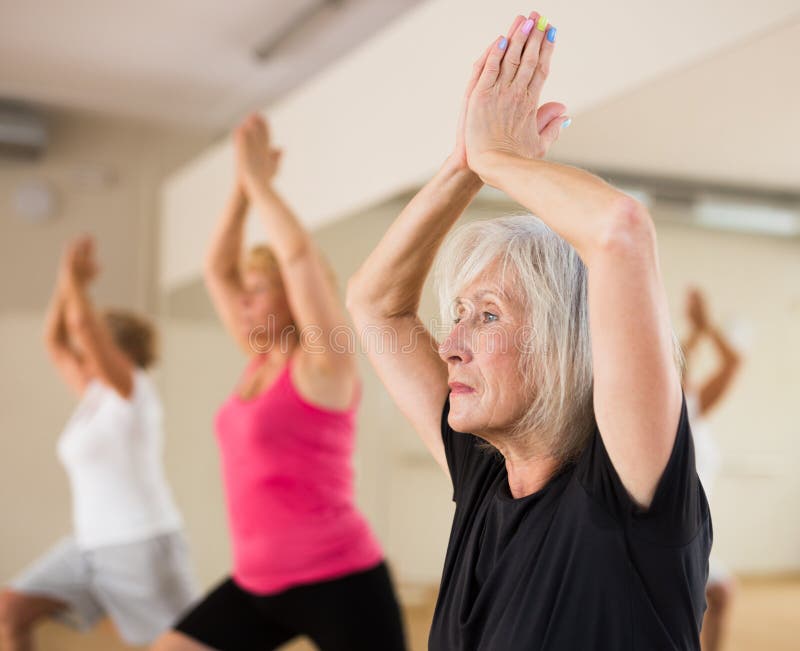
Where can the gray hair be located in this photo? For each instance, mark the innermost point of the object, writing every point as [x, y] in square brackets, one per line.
[542, 272]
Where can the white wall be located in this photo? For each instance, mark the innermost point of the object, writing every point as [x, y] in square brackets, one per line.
[380, 120]
[106, 174]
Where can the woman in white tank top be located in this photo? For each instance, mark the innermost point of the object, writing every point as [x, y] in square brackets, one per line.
[126, 557]
[701, 397]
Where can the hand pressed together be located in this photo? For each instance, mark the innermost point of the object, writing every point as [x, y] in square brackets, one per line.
[502, 113]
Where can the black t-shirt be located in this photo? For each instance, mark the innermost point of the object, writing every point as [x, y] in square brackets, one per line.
[576, 565]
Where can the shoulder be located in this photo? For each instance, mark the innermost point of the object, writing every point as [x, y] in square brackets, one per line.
[679, 507]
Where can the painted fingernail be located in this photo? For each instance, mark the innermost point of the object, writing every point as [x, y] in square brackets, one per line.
[566, 123]
[551, 34]
[541, 24]
[503, 43]
[528, 26]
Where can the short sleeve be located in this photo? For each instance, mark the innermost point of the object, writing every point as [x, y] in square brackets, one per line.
[679, 507]
[465, 454]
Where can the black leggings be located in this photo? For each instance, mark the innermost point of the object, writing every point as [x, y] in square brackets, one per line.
[357, 612]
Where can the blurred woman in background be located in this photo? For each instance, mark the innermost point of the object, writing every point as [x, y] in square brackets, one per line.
[305, 561]
[701, 397]
[126, 557]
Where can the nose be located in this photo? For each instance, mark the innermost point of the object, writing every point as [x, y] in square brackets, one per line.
[456, 347]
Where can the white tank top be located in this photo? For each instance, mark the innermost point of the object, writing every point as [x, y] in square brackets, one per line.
[706, 451]
[111, 449]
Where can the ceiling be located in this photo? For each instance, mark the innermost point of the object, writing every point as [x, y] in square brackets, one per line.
[176, 61]
[730, 118]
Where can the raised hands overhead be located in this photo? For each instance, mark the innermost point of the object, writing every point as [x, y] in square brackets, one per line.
[257, 161]
[79, 262]
[503, 113]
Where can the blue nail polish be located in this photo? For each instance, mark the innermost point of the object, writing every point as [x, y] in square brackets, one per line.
[503, 43]
[566, 123]
[551, 34]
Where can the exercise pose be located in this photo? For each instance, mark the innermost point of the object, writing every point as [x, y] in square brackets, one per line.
[554, 403]
[127, 556]
[702, 396]
[305, 559]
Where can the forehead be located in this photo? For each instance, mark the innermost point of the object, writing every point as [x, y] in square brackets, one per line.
[490, 285]
[260, 277]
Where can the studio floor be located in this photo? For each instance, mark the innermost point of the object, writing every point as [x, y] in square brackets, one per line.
[766, 616]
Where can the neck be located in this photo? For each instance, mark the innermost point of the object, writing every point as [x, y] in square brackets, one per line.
[277, 352]
[527, 472]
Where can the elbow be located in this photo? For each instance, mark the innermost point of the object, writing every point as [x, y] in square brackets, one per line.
[78, 324]
[214, 271]
[78, 320]
[212, 268]
[362, 302]
[53, 345]
[734, 360]
[625, 228]
[371, 301]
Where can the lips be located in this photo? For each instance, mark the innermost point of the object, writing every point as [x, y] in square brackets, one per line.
[458, 387]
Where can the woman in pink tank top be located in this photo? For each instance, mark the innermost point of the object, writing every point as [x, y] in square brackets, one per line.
[305, 561]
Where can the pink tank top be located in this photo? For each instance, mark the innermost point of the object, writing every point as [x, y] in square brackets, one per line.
[289, 488]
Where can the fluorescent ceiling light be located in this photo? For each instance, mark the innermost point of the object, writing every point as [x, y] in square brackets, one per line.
[747, 217]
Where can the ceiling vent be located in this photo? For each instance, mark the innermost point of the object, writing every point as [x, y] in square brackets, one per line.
[23, 133]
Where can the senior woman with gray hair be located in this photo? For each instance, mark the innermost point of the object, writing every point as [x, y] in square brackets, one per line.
[582, 524]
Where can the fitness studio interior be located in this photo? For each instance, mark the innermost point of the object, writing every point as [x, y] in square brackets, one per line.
[177, 177]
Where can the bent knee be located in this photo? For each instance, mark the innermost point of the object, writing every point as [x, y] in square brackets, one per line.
[12, 612]
[175, 641]
[720, 595]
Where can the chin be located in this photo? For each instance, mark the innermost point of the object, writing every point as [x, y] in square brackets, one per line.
[462, 416]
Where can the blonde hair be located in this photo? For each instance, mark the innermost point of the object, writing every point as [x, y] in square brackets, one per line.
[543, 273]
[134, 334]
[261, 258]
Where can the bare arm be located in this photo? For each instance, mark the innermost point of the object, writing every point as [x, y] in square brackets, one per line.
[384, 296]
[637, 393]
[714, 388]
[326, 369]
[56, 342]
[222, 273]
[88, 329]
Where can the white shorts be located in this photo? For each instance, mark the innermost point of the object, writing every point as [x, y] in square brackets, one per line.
[142, 586]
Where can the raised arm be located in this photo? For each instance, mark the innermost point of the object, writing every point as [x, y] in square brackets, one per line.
[384, 296]
[714, 387]
[637, 393]
[56, 340]
[100, 355]
[326, 365]
[222, 273]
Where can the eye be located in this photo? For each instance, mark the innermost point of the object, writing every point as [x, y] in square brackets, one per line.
[488, 317]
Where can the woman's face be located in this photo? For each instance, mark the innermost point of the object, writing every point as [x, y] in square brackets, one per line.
[483, 351]
[264, 309]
